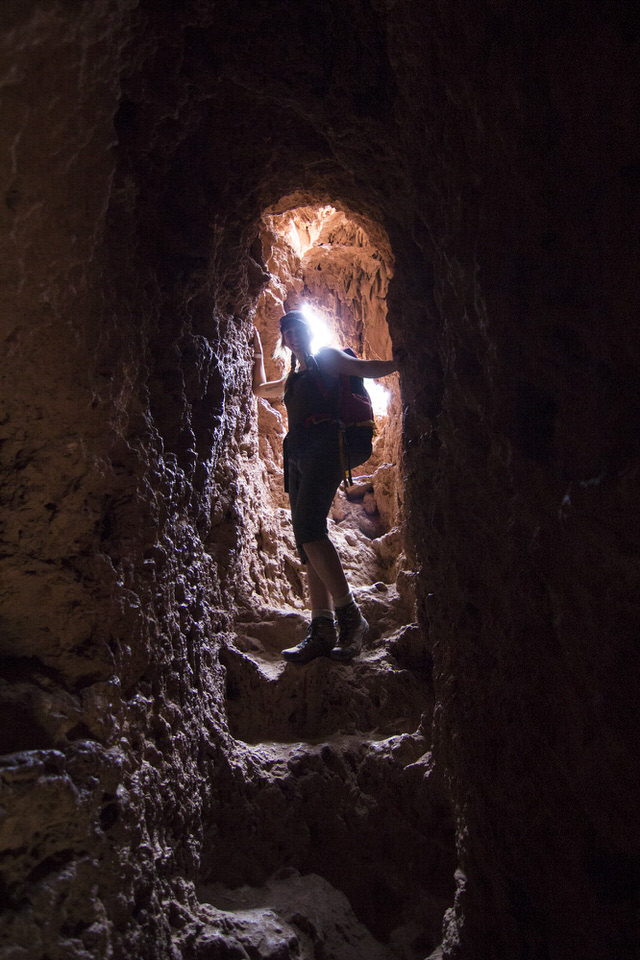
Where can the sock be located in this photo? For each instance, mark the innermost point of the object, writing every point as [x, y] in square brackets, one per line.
[344, 601]
[327, 614]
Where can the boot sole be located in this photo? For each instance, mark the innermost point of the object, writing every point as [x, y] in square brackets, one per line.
[294, 658]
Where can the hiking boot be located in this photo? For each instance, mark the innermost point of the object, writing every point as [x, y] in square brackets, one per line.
[353, 627]
[318, 642]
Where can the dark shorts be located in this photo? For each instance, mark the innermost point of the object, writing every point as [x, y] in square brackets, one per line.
[314, 475]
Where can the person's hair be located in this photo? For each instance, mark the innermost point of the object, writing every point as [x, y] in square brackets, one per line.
[281, 352]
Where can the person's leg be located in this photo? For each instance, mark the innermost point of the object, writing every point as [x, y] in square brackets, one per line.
[321, 636]
[327, 569]
[318, 479]
[328, 573]
[319, 596]
[317, 475]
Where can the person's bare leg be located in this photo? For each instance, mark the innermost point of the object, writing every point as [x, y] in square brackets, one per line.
[319, 596]
[321, 637]
[323, 557]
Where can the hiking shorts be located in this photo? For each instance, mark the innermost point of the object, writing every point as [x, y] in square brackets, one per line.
[314, 473]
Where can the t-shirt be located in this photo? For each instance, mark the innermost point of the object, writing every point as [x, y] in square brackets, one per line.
[310, 393]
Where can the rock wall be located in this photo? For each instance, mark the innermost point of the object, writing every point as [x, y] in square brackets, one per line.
[495, 145]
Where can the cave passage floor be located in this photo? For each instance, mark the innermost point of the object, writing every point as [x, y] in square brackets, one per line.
[336, 762]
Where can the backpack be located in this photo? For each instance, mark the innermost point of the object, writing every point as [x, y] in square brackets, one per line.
[354, 416]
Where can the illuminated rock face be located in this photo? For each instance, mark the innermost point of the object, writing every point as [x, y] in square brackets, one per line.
[489, 154]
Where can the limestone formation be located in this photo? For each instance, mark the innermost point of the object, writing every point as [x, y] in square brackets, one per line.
[454, 182]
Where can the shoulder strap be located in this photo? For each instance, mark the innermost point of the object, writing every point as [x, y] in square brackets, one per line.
[320, 380]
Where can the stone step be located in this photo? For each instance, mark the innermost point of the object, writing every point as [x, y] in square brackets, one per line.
[269, 699]
[290, 915]
[364, 814]
[266, 631]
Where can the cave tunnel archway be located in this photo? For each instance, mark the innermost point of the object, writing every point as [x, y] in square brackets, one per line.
[324, 256]
[381, 706]
[338, 266]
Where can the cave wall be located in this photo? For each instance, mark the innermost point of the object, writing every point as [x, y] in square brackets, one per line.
[497, 146]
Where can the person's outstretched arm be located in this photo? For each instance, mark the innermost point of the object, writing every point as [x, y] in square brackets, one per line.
[269, 389]
[335, 362]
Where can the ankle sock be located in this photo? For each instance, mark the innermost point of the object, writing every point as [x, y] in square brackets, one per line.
[327, 614]
[344, 601]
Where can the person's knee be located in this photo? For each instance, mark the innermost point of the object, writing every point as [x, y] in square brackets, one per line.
[310, 542]
[320, 541]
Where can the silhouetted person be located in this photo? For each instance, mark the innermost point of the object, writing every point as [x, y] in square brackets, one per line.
[313, 471]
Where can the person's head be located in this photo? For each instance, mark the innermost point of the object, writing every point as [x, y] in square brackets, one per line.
[294, 324]
[295, 335]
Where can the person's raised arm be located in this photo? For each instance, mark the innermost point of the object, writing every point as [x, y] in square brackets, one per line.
[336, 362]
[269, 389]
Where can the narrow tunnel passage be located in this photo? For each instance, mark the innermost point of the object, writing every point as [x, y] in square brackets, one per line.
[336, 758]
[317, 256]
[143, 141]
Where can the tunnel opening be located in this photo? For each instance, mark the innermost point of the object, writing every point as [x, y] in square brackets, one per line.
[337, 269]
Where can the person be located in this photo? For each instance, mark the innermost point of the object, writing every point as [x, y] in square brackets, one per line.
[313, 471]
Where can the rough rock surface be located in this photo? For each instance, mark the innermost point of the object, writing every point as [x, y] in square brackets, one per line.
[320, 923]
[483, 158]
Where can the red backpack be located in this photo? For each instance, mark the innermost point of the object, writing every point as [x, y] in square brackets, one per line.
[354, 417]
